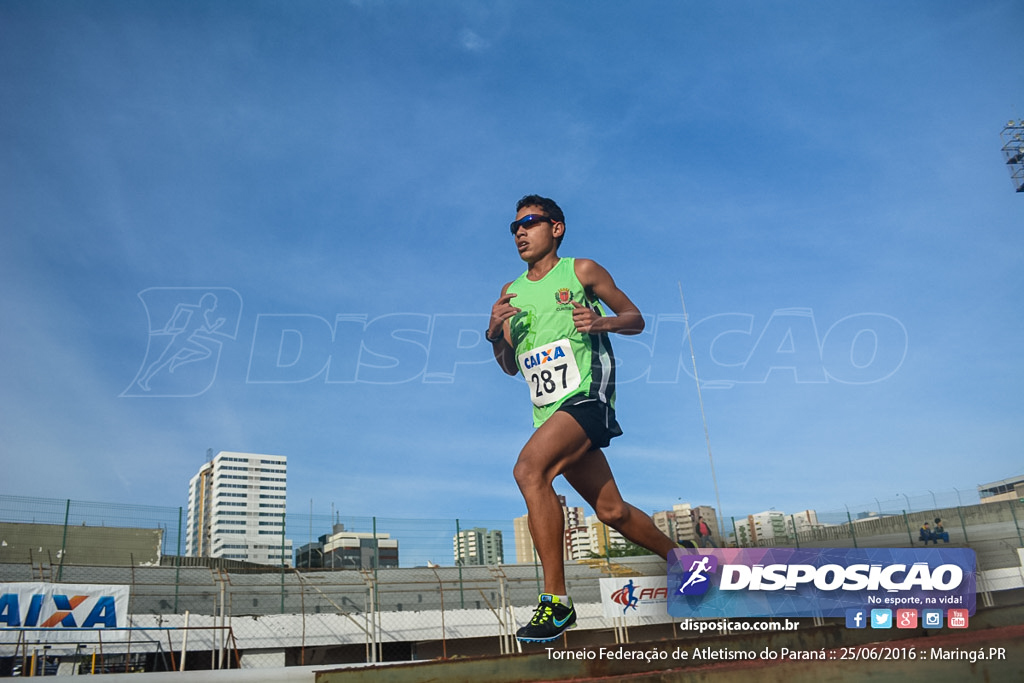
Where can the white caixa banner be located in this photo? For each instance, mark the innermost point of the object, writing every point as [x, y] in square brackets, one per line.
[642, 596]
[62, 612]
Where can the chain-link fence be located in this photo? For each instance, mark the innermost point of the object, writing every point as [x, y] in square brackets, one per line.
[240, 614]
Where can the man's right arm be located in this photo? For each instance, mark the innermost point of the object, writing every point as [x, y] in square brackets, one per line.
[497, 332]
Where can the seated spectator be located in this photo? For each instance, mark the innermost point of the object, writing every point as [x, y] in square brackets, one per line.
[938, 532]
[927, 534]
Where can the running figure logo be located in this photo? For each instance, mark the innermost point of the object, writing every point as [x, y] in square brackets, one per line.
[187, 330]
[626, 596]
[695, 578]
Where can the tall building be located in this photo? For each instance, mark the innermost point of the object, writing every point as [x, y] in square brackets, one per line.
[478, 546]
[761, 529]
[603, 538]
[576, 542]
[710, 518]
[525, 552]
[680, 523]
[236, 508]
[686, 523]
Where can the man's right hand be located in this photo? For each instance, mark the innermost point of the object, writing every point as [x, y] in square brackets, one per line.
[501, 311]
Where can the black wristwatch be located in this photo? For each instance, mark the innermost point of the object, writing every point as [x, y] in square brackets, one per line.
[500, 337]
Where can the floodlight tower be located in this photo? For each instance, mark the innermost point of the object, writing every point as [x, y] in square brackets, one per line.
[1013, 150]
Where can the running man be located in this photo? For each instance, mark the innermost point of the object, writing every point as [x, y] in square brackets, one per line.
[551, 325]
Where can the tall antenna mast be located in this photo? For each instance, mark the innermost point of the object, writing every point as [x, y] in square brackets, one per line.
[703, 417]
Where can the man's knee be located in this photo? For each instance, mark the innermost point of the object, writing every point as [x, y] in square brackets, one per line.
[526, 475]
[615, 515]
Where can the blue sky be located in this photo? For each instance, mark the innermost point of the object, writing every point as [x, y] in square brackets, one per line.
[823, 181]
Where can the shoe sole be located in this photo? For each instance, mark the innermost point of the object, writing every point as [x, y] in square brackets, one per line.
[544, 640]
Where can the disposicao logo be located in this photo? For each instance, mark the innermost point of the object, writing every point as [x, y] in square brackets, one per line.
[826, 582]
[696, 573]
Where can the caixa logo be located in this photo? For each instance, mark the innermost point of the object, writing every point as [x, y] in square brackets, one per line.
[58, 610]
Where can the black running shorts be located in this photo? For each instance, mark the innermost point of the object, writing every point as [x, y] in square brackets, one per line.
[596, 418]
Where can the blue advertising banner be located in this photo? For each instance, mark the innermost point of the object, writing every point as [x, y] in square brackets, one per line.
[821, 582]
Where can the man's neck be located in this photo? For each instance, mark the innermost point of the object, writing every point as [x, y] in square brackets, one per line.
[541, 267]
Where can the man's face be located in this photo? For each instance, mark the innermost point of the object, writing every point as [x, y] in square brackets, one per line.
[535, 238]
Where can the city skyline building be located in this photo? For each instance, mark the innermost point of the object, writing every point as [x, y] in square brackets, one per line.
[761, 528]
[603, 538]
[236, 508]
[343, 549]
[526, 553]
[478, 546]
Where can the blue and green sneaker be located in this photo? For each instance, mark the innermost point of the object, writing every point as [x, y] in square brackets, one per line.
[551, 619]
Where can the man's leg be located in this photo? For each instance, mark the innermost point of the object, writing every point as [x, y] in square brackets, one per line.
[592, 477]
[554, 446]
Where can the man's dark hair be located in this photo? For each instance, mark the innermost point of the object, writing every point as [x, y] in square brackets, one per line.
[551, 209]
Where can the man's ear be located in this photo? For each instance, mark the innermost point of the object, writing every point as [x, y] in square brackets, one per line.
[557, 229]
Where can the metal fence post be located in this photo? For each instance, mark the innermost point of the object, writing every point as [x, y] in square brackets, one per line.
[64, 541]
[963, 524]
[177, 565]
[906, 521]
[282, 560]
[1016, 524]
[458, 561]
[853, 534]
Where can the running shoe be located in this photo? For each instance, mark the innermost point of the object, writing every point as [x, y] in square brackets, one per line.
[551, 619]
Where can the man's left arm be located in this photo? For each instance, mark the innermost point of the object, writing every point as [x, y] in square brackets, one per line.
[598, 283]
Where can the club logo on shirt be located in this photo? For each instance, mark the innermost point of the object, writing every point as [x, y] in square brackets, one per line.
[563, 296]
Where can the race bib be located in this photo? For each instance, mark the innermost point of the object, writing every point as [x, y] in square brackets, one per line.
[550, 371]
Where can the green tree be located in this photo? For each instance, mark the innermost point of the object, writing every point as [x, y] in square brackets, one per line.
[630, 549]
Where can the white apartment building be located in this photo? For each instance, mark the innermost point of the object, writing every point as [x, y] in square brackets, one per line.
[525, 551]
[576, 544]
[236, 508]
[761, 528]
[680, 523]
[799, 522]
[603, 538]
[478, 546]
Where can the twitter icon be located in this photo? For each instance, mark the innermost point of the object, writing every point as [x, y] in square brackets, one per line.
[881, 618]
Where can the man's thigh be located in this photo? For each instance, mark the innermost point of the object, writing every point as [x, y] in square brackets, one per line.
[556, 445]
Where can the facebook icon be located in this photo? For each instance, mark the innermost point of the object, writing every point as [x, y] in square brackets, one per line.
[856, 618]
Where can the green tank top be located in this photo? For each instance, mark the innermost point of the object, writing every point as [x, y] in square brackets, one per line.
[557, 361]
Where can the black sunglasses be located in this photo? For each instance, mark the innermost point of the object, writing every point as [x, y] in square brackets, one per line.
[528, 222]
